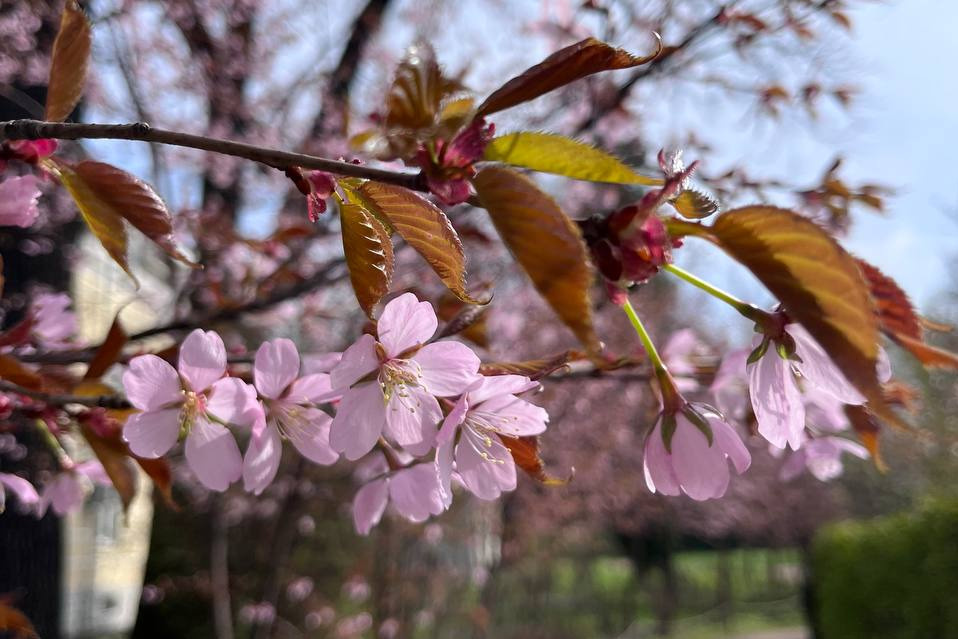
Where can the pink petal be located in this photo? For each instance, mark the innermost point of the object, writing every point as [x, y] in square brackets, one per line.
[413, 418]
[262, 459]
[817, 367]
[444, 458]
[455, 417]
[823, 411]
[23, 489]
[485, 465]
[731, 444]
[320, 362]
[701, 469]
[369, 504]
[275, 367]
[358, 361]
[776, 401]
[448, 368]
[213, 455]
[883, 366]
[202, 359]
[18, 201]
[657, 465]
[65, 493]
[359, 421]
[310, 435]
[151, 383]
[233, 401]
[94, 471]
[404, 323]
[153, 433]
[514, 416]
[313, 389]
[490, 386]
[415, 492]
[793, 466]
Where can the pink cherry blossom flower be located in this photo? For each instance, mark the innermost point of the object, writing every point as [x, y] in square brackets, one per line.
[32, 151]
[678, 354]
[415, 494]
[68, 489]
[692, 464]
[197, 399]
[24, 491]
[53, 323]
[775, 394]
[487, 412]
[393, 383]
[288, 412]
[729, 388]
[822, 457]
[18, 201]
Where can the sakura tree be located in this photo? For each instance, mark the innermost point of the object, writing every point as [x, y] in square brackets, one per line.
[415, 414]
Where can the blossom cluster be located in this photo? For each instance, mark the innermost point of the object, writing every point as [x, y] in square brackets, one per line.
[19, 194]
[418, 409]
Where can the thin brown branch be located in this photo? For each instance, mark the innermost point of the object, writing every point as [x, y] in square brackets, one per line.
[51, 399]
[142, 132]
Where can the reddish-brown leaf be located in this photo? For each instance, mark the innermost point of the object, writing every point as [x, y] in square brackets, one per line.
[562, 67]
[929, 356]
[819, 284]
[369, 255]
[14, 622]
[868, 431]
[532, 368]
[69, 64]
[424, 227]
[545, 242]
[108, 352]
[115, 457]
[416, 92]
[896, 316]
[159, 471]
[16, 373]
[525, 452]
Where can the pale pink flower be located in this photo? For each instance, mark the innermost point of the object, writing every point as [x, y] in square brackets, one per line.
[691, 464]
[197, 399]
[288, 411]
[415, 493]
[68, 489]
[678, 355]
[729, 389]
[822, 456]
[18, 201]
[775, 394]
[32, 151]
[25, 492]
[487, 412]
[53, 323]
[393, 383]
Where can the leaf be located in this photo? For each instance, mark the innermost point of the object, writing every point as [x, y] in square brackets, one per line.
[525, 452]
[424, 227]
[115, 457]
[15, 372]
[108, 351]
[562, 67]
[159, 471]
[134, 200]
[929, 356]
[416, 92]
[695, 205]
[819, 284]
[545, 242]
[551, 153]
[534, 369]
[868, 431]
[369, 255]
[69, 64]
[14, 622]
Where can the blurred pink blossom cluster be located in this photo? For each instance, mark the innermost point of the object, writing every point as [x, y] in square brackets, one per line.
[19, 194]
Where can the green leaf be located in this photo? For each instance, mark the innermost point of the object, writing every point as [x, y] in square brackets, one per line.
[819, 284]
[559, 69]
[369, 255]
[69, 63]
[553, 153]
[424, 227]
[545, 242]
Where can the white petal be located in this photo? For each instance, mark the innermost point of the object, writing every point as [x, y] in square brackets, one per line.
[153, 433]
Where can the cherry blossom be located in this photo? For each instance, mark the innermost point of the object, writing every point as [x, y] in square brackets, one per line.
[729, 388]
[392, 381]
[678, 354]
[68, 489]
[488, 411]
[822, 456]
[287, 411]
[24, 491]
[450, 167]
[197, 399]
[691, 463]
[53, 324]
[18, 201]
[414, 492]
[321, 186]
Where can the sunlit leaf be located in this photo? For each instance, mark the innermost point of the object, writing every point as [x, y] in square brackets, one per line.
[369, 255]
[545, 242]
[108, 351]
[113, 454]
[868, 431]
[14, 623]
[416, 92]
[533, 368]
[424, 227]
[562, 67]
[553, 153]
[525, 452]
[12, 370]
[69, 64]
[695, 205]
[819, 284]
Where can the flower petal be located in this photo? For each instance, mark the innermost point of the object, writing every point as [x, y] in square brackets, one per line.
[313, 389]
[485, 465]
[202, 359]
[776, 401]
[514, 416]
[233, 401]
[151, 383]
[455, 417]
[405, 322]
[448, 368]
[701, 469]
[320, 362]
[359, 421]
[490, 386]
[153, 433]
[262, 459]
[275, 367]
[358, 360]
[817, 367]
[657, 464]
[23, 489]
[213, 455]
[412, 417]
[18, 201]
[415, 492]
[369, 504]
[310, 435]
[731, 444]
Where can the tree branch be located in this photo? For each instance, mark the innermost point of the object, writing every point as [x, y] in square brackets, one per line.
[142, 132]
[98, 401]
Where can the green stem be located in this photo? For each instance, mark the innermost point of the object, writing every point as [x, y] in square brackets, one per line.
[747, 310]
[671, 399]
[53, 444]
